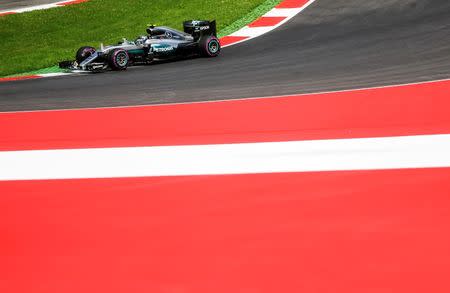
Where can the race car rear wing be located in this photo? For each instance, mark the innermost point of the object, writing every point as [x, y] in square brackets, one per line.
[197, 28]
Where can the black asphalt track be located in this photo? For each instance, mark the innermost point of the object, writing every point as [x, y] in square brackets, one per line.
[332, 45]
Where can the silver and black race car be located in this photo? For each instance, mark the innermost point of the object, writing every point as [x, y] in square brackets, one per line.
[161, 43]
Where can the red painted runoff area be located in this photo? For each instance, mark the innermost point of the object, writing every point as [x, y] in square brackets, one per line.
[362, 231]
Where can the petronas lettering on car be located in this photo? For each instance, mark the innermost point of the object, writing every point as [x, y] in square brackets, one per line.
[162, 48]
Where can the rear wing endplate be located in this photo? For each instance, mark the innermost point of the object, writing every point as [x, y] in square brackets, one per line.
[197, 28]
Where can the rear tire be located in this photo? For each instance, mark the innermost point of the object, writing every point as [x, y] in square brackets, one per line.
[83, 53]
[118, 59]
[209, 46]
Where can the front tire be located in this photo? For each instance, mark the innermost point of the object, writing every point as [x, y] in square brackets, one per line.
[83, 53]
[209, 46]
[118, 59]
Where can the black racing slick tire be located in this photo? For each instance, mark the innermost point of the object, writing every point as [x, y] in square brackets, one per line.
[118, 59]
[209, 46]
[83, 53]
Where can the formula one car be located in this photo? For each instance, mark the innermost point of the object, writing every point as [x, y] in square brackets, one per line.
[162, 43]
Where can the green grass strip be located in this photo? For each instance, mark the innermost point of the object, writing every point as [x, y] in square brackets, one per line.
[39, 39]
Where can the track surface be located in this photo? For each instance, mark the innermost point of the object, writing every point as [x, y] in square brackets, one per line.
[12, 4]
[346, 231]
[331, 45]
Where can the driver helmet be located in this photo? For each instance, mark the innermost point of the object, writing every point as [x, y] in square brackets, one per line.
[150, 30]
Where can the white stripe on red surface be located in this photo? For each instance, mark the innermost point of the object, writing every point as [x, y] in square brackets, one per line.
[426, 151]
